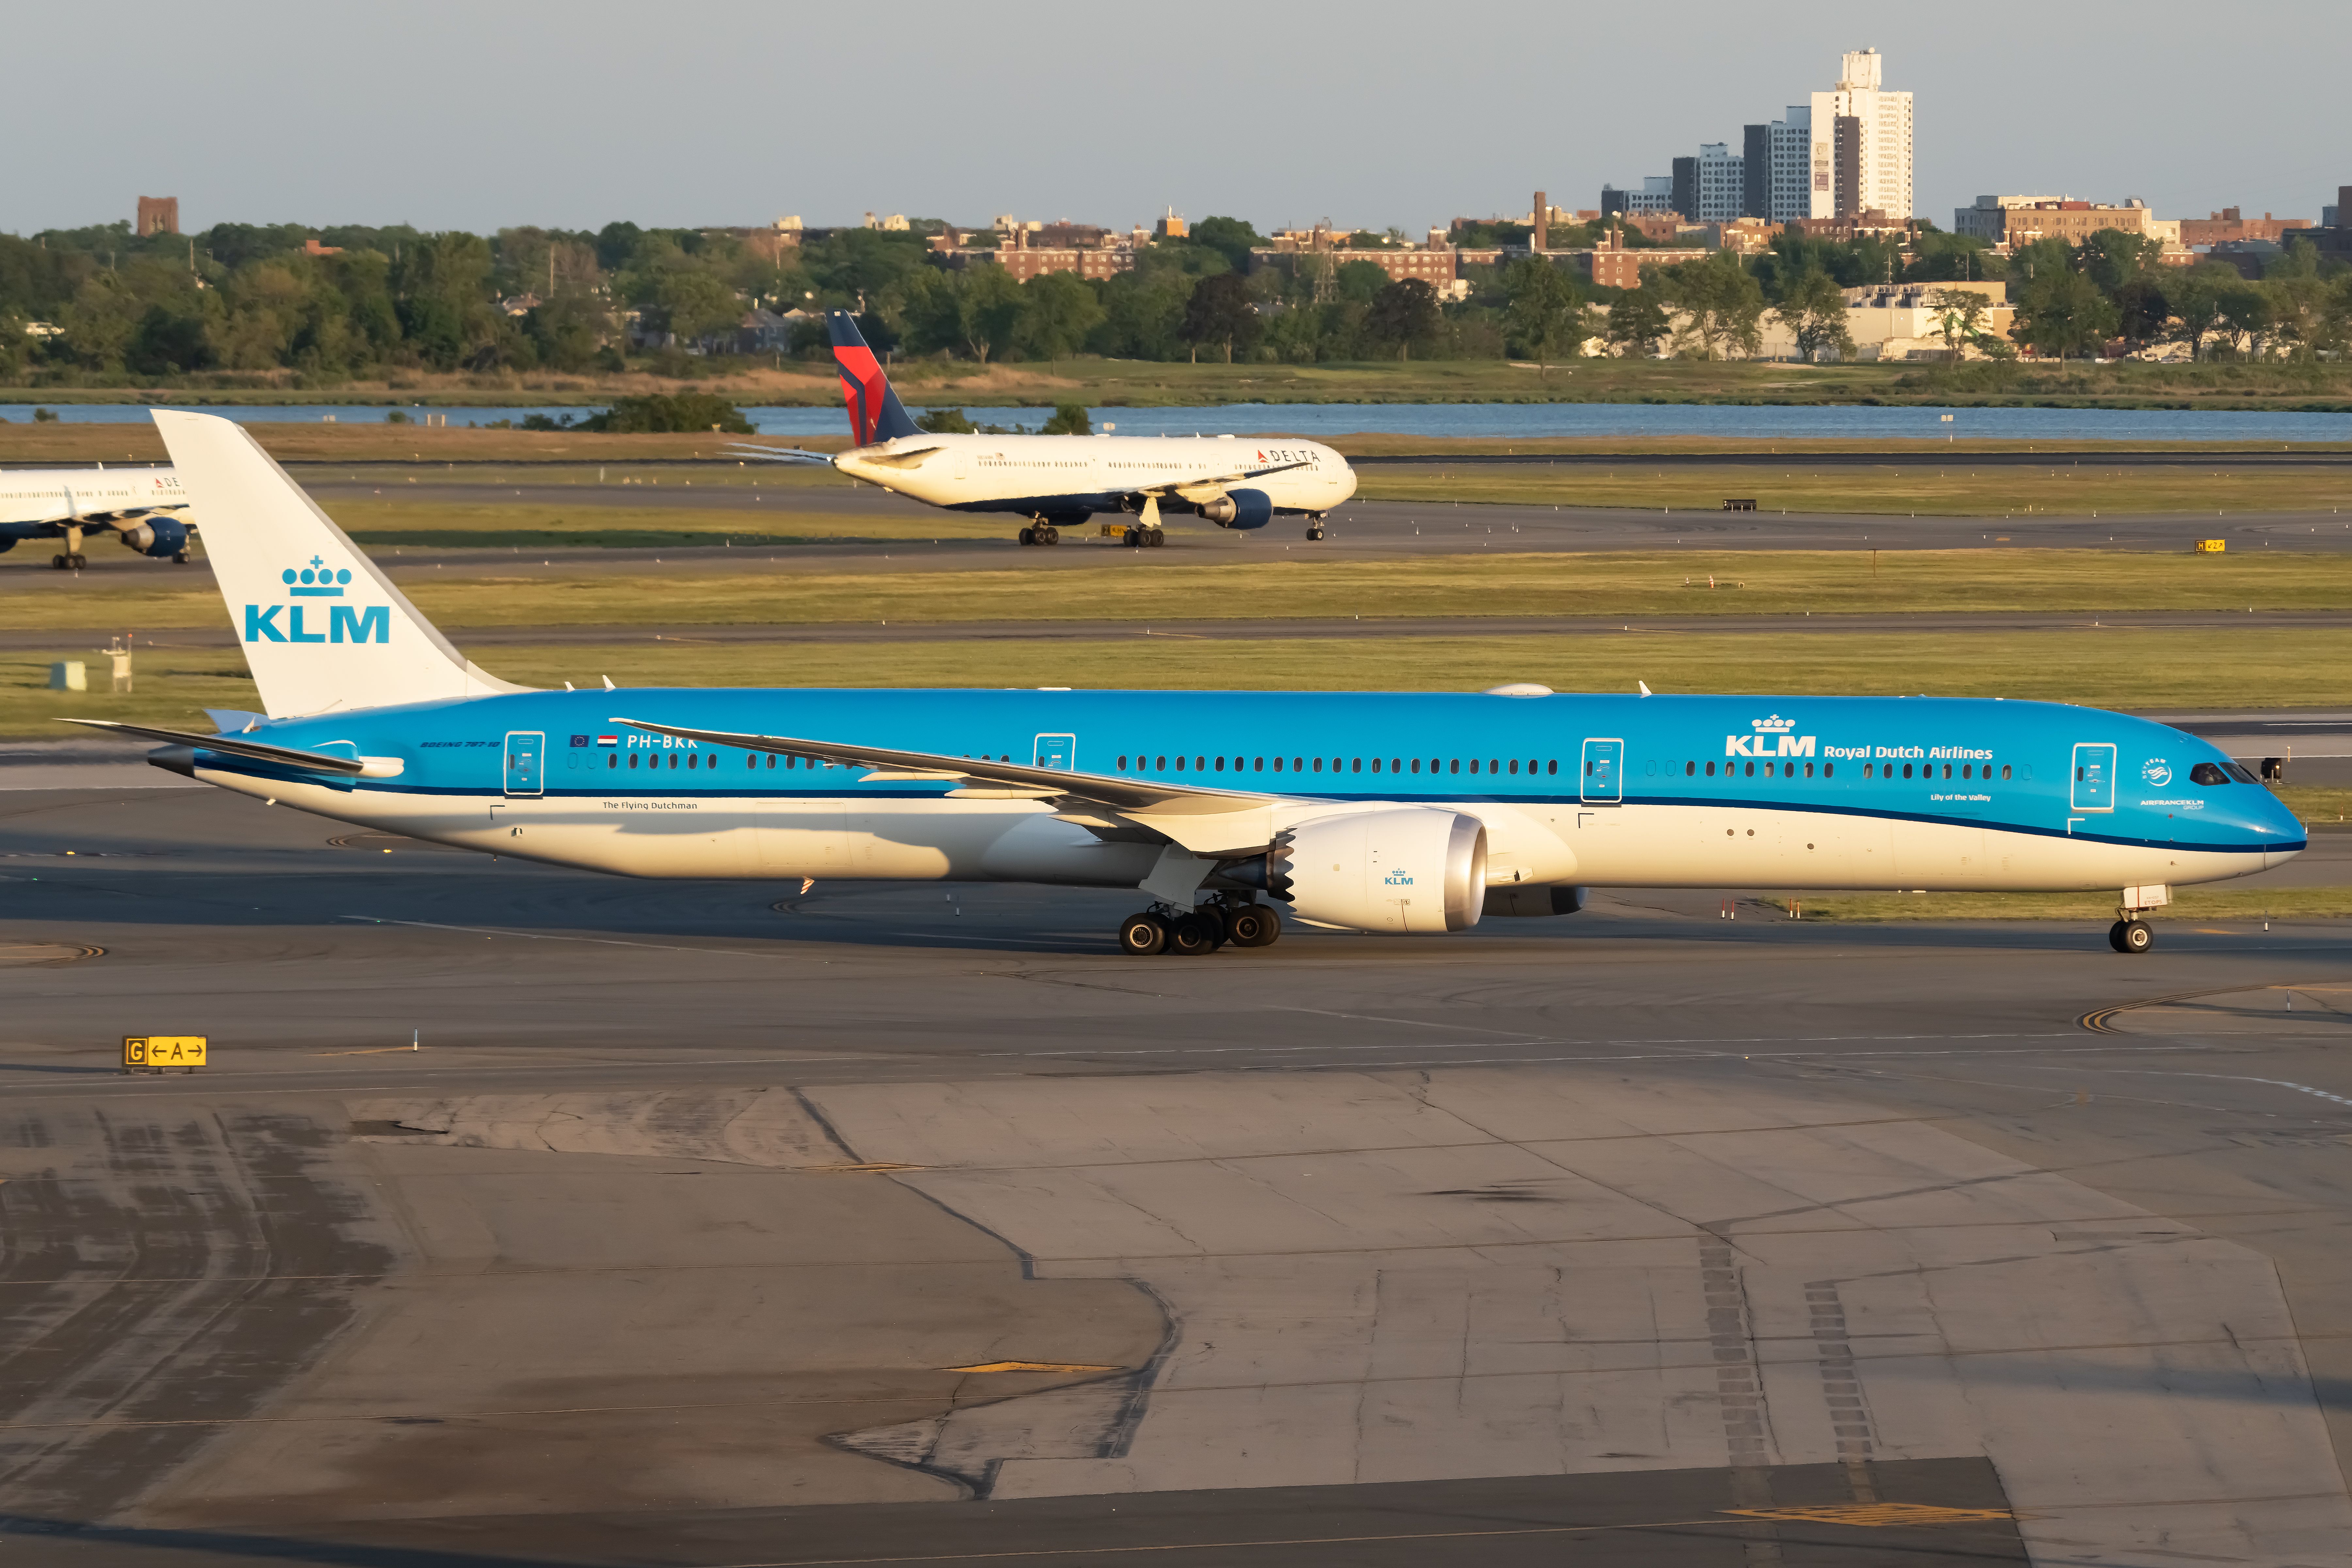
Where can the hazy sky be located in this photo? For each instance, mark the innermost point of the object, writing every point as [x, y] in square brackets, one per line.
[486, 114]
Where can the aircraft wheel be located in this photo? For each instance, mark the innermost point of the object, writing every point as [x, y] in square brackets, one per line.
[2134, 936]
[1134, 538]
[1315, 532]
[1142, 934]
[1190, 935]
[1028, 536]
[1049, 535]
[1157, 537]
[1254, 925]
[181, 559]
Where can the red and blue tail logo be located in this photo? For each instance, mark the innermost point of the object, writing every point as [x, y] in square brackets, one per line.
[875, 412]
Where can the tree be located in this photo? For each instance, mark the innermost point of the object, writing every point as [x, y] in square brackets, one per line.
[1960, 319]
[1403, 314]
[1229, 237]
[1070, 419]
[2248, 316]
[1637, 322]
[2196, 300]
[2142, 311]
[2062, 312]
[1814, 310]
[1546, 315]
[660, 413]
[1221, 312]
[1722, 307]
[695, 304]
[1058, 310]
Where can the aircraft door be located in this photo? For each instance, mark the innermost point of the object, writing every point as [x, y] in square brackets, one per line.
[2094, 777]
[526, 748]
[1059, 753]
[1603, 782]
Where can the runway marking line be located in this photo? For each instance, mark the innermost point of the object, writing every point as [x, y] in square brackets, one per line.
[1875, 1515]
[1033, 1366]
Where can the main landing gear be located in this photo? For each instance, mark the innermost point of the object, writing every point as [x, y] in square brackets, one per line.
[1041, 533]
[1145, 538]
[2131, 935]
[1166, 928]
[73, 563]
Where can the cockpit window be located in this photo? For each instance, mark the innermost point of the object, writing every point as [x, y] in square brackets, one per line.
[2208, 775]
[2238, 771]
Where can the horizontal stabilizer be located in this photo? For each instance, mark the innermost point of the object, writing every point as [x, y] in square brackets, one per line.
[776, 454]
[229, 745]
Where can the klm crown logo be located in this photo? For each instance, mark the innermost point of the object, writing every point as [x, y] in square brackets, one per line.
[345, 622]
[1775, 725]
[315, 581]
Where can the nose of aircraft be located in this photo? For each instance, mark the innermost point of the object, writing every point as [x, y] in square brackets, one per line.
[2273, 823]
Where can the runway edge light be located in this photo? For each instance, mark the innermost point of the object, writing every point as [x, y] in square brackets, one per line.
[160, 1053]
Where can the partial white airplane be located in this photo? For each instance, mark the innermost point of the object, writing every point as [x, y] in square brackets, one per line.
[1060, 482]
[138, 504]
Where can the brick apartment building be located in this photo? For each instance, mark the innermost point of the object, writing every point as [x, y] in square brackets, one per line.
[2229, 225]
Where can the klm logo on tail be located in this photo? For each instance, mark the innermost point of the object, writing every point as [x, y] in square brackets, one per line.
[345, 622]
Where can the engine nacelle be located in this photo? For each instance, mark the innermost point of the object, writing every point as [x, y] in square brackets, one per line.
[1239, 509]
[1534, 899]
[1389, 869]
[157, 535]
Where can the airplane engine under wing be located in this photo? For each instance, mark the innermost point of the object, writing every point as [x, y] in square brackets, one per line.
[1239, 509]
[1392, 868]
[157, 535]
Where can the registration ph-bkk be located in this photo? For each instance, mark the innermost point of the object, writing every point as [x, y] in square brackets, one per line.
[162, 1053]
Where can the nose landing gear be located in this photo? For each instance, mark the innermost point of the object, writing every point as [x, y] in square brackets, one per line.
[2131, 936]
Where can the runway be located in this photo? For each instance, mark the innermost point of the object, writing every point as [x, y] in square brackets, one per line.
[719, 1224]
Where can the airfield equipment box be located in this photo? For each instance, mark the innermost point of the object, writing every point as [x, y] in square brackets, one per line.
[1747, 505]
[160, 1053]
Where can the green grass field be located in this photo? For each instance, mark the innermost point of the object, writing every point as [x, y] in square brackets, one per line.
[2144, 669]
[1908, 489]
[1148, 587]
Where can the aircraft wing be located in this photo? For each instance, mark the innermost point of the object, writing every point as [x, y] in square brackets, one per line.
[1213, 822]
[229, 745]
[1237, 476]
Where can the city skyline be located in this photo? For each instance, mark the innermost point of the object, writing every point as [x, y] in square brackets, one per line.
[512, 115]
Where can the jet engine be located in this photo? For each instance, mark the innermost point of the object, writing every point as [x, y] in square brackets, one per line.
[1392, 868]
[157, 535]
[1239, 509]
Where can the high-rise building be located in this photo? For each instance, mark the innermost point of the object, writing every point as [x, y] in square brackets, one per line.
[1721, 183]
[1866, 164]
[1775, 182]
[1656, 195]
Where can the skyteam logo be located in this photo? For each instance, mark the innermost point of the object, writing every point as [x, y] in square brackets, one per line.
[1772, 737]
[2156, 772]
[316, 581]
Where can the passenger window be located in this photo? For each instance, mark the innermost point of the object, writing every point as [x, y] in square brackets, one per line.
[1455, 766]
[1221, 764]
[2206, 773]
[1866, 769]
[1809, 770]
[1750, 771]
[1277, 765]
[2004, 770]
[1473, 765]
[1514, 764]
[1122, 762]
[690, 759]
[1376, 764]
[1553, 767]
[1199, 763]
[1829, 770]
[1416, 765]
[1260, 764]
[1948, 770]
[1319, 764]
[1359, 768]
[1906, 770]
[1162, 765]
[1493, 766]
[1298, 764]
[1710, 770]
[1180, 765]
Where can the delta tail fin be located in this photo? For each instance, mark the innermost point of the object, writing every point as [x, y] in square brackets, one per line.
[324, 630]
[874, 411]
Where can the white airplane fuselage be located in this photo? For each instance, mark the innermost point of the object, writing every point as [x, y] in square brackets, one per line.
[62, 495]
[1063, 475]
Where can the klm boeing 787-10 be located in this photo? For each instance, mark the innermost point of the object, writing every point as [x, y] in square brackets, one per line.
[1230, 812]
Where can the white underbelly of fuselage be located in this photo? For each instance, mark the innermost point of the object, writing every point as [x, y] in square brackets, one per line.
[930, 839]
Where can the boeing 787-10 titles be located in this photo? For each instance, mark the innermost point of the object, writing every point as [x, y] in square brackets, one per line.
[1230, 811]
[1060, 482]
[141, 505]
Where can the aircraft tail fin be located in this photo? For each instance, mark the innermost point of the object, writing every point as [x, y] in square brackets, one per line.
[875, 412]
[291, 577]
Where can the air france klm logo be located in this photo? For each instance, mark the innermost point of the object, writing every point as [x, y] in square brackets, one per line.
[1771, 739]
[345, 622]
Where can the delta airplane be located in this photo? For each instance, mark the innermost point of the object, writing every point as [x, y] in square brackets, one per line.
[1230, 812]
[65, 503]
[1060, 481]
